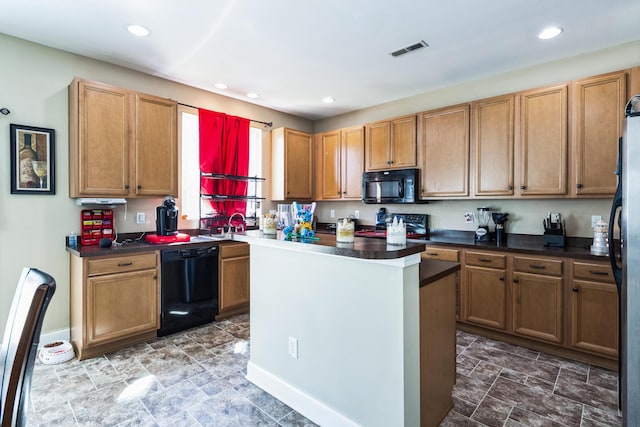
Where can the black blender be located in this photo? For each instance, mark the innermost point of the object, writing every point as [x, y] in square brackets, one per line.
[499, 219]
[483, 217]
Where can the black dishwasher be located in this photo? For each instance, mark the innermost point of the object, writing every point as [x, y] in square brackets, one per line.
[188, 288]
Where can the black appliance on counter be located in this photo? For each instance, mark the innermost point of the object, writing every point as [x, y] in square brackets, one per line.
[189, 287]
[167, 217]
[392, 186]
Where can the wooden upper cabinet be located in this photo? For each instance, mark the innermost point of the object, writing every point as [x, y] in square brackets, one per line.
[391, 144]
[493, 141]
[597, 114]
[330, 185]
[443, 152]
[352, 158]
[123, 143]
[339, 164]
[291, 164]
[99, 127]
[543, 142]
[156, 146]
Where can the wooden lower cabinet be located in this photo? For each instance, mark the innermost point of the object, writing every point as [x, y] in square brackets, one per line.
[234, 279]
[562, 306]
[485, 297]
[594, 309]
[437, 350]
[114, 302]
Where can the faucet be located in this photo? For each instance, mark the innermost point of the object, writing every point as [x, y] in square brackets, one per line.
[241, 225]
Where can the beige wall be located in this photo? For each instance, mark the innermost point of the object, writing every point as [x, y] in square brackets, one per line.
[525, 216]
[33, 85]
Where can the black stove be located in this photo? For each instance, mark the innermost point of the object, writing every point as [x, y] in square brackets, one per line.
[417, 226]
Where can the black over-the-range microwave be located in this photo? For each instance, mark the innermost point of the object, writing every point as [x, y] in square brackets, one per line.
[392, 186]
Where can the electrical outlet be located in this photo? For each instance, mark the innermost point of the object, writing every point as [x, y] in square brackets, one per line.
[594, 219]
[140, 218]
[293, 347]
[332, 213]
[356, 214]
[468, 217]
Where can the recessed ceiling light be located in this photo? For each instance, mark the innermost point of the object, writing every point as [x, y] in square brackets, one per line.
[252, 95]
[328, 99]
[549, 33]
[221, 86]
[138, 30]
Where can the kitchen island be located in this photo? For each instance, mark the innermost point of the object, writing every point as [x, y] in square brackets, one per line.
[339, 332]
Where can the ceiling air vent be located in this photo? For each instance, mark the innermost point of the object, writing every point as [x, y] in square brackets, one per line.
[410, 48]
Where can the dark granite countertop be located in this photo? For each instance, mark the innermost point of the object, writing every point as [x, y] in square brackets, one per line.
[362, 247]
[432, 270]
[140, 246]
[575, 247]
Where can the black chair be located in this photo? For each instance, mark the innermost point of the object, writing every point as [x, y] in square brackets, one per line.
[20, 343]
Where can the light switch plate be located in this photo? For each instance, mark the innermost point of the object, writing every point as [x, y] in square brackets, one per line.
[140, 218]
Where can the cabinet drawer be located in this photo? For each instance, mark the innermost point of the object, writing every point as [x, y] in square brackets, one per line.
[484, 259]
[231, 250]
[121, 264]
[551, 267]
[595, 272]
[441, 254]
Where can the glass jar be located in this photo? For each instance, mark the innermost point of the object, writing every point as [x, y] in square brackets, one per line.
[396, 233]
[270, 224]
[345, 229]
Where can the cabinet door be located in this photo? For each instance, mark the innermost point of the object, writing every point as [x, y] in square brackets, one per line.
[443, 152]
[378, 140]
[156, 147]
[330, 164]
[100, 153]
[298, 166]
[403, 142]
[594, 317]
[493, 145]
[537, 306]
[484, 297]
[598, 105]
[543, 142]
[352, 162]
[234, 282]
[121, 305]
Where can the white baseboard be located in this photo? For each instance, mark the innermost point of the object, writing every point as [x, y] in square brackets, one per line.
[59, 335]
[308, 406]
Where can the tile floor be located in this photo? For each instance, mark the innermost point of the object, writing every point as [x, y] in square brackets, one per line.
[196, 378]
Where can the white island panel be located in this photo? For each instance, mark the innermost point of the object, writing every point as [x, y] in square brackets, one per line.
[357, 326]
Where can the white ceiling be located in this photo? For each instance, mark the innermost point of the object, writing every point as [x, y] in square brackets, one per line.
[295, 52]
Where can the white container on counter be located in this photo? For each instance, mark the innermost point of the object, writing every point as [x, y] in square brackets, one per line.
[396, 233]
[270, 224]
[345, 229]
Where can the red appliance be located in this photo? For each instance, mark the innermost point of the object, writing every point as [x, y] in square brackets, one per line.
[159, 240]
[96, 224]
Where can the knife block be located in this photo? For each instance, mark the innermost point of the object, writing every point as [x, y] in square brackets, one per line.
[554, 236]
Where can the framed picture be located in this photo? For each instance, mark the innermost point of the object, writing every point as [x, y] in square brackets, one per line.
[32, 160]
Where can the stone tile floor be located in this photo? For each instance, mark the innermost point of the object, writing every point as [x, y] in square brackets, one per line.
[196, 378]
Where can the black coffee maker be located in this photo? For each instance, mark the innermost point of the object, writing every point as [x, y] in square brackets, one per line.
[167, 218]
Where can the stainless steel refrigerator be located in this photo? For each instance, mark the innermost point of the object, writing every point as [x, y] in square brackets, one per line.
[624, 252]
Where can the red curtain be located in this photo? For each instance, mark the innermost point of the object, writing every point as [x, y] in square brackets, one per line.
[224, 149]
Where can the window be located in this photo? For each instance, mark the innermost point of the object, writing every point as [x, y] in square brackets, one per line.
[190, 207]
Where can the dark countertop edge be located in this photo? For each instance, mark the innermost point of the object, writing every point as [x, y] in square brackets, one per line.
[432, 270]
[135, 247]
[362, 247]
